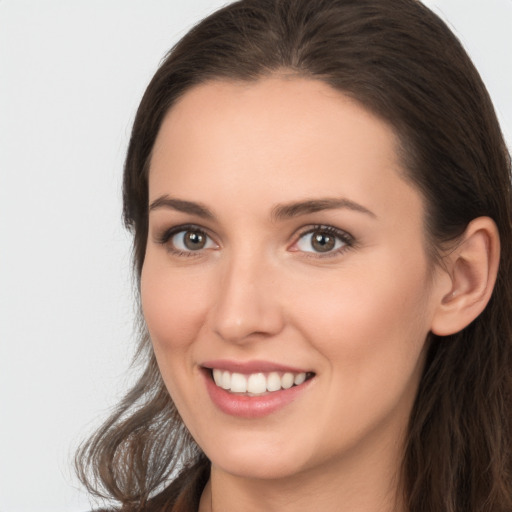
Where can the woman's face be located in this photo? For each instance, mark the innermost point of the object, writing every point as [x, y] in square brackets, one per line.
[285, 249]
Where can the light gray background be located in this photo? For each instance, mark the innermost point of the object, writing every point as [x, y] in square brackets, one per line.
[71, 75]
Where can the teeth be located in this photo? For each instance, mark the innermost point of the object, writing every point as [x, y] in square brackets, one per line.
[256, 383]
[226, 380]
[238, 383]
[217, 377]
[299, 379]
[273, 382]
[287, 380]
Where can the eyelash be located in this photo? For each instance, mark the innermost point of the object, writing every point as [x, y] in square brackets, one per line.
[346, 239]
[167, 235]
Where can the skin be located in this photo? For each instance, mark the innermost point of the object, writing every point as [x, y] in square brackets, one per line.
[357, 317]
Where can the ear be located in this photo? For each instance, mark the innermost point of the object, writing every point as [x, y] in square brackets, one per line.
[472, 268]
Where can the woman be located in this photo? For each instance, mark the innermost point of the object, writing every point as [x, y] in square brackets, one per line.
[320, 199]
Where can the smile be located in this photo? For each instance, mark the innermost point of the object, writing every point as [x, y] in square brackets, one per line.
[256, 383]
[254, 389]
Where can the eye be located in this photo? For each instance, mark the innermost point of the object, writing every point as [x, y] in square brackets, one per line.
[186, 240]
[323, 239]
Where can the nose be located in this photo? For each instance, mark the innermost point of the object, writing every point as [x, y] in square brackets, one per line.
[247, 306]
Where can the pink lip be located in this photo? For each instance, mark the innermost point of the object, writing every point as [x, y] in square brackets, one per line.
[251, 407]
[247, 367]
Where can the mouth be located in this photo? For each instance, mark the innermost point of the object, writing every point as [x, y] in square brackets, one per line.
[257, 383]
[254, 389]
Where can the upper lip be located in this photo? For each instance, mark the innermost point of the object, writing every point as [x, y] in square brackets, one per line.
[247, 367]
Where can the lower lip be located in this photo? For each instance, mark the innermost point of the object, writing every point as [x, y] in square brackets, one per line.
[245, 406]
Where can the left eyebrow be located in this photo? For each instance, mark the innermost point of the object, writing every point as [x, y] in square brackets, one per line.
[295, 209]
[181, 205]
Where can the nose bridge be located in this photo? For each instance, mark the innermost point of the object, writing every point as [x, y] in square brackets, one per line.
[246, 303]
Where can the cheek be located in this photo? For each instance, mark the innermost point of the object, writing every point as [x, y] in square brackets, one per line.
[174, 306]
[174, 303]
[370, 320]
[370, 328]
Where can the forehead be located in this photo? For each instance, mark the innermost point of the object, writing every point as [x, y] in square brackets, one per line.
[276, 139]
[288, 107]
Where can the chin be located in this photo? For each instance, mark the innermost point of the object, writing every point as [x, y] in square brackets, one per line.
[257, 468]
[258, 460]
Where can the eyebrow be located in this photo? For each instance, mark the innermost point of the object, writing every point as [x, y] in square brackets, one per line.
[279, 212]
[181, 205]
[295, 209]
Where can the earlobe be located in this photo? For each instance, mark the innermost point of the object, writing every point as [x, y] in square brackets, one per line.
[472, 267]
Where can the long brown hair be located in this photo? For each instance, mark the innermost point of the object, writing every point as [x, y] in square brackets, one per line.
[401, 62]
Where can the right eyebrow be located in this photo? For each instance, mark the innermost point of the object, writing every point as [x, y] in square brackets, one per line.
[295, 209]
[181, 205]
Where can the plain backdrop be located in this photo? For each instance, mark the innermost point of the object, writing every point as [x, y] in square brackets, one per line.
[71, 75]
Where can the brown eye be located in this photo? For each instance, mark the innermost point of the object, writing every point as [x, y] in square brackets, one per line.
[194, 240]
[324, 239]
[322, 242]
[190, 240]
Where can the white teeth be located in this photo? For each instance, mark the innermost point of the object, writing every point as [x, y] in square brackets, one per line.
[256, 383]
[299, 378]
[217, 377]
[226, 380]
[287, 380]
[238, 383]
[273, 382]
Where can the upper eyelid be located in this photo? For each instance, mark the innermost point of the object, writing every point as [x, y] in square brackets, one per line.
[348, 240]
[166, 234]
[342, 233]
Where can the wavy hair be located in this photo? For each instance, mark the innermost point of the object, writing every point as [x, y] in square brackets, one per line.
[402, 63]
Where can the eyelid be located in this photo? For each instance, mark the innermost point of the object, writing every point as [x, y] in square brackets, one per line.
[165, 236]
[346, 238]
